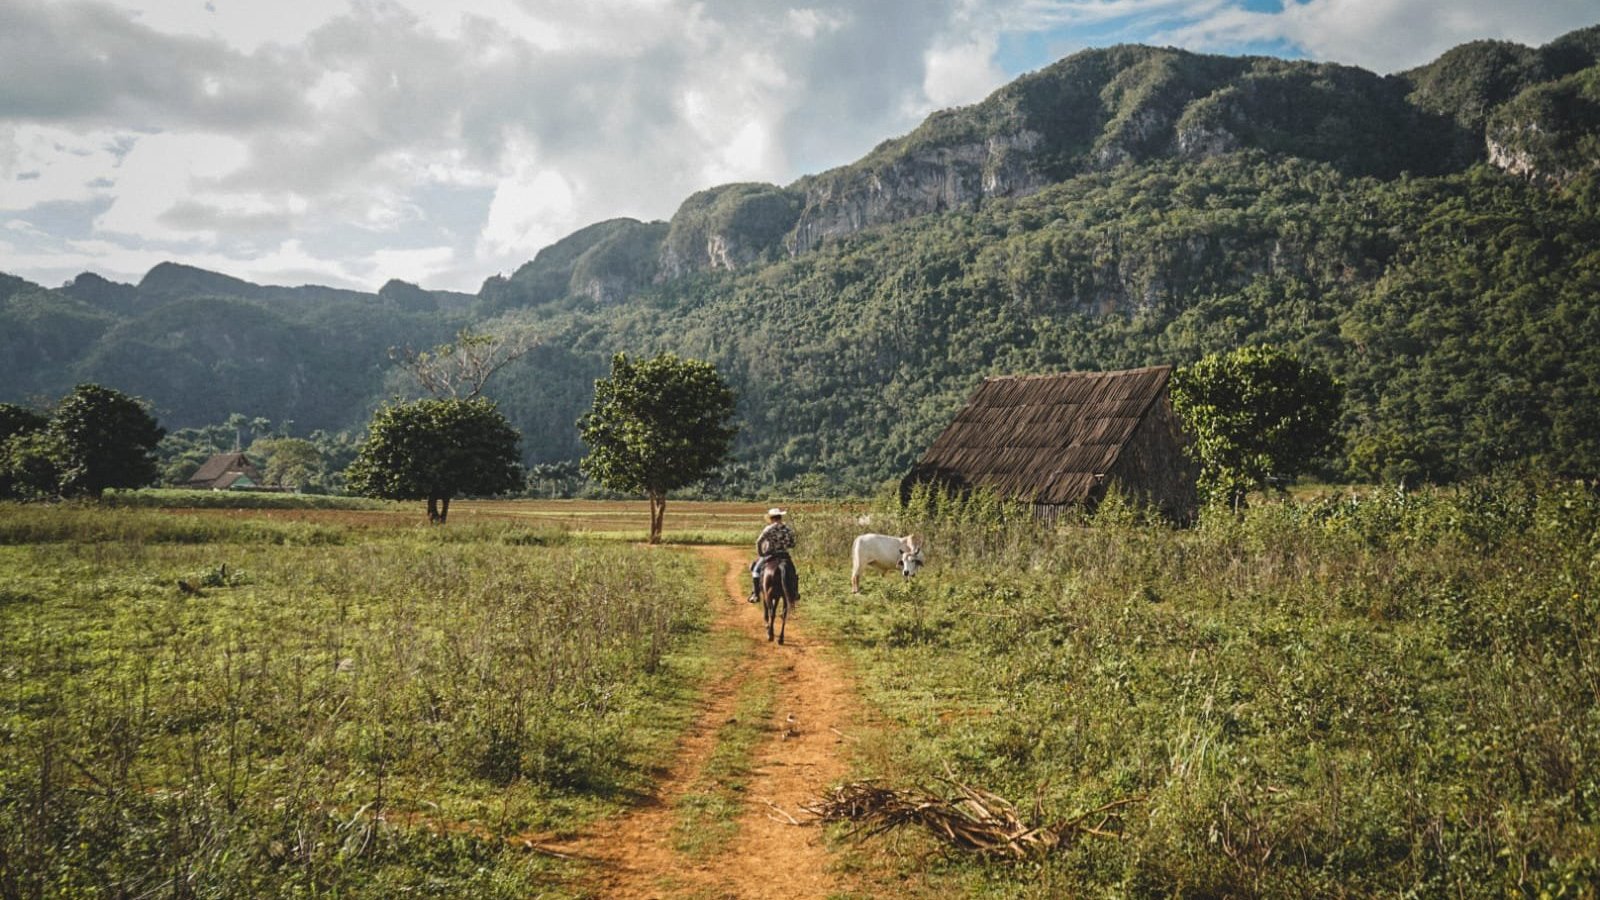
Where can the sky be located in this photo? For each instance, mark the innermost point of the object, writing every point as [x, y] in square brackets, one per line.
[348, 142]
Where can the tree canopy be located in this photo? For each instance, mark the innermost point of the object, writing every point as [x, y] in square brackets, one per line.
[95, 438]
[1258, 416]
[437, 449]
[657, 425]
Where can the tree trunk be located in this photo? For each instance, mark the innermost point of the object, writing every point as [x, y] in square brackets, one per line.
[444, 510]
[433, 511]
[658, 510]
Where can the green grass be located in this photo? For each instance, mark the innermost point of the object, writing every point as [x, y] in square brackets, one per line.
[362, 712]
[89, 524]
[179, 498]
[1385, 694]
[698, 538]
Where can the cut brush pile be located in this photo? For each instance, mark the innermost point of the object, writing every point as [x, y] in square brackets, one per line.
[965, 818]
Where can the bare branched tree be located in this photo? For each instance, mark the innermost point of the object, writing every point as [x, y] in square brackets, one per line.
[462, 367]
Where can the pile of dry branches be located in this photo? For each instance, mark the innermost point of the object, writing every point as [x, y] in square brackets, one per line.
[965, 818]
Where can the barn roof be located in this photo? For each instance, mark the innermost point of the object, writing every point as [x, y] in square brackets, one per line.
[212, 471]
[1043, 437]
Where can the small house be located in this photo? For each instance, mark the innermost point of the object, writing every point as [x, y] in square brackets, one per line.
[224, 472]
[1064, 440]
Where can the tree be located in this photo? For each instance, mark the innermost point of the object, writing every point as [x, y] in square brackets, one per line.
[1257, 415]
[434, 450]
[106, 439]
[463, 367]
[656, 426]
[20, 431]
[287, 461]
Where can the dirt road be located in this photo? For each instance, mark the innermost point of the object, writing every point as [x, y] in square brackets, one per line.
[800, 751]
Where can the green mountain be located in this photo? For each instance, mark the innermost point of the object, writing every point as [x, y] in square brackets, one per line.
[1426, 236]
[201, 345]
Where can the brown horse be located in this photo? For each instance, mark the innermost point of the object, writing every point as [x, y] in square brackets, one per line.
[775, 587]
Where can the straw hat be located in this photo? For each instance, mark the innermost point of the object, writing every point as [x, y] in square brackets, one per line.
[775, 512]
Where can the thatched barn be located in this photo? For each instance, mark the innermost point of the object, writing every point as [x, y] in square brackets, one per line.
[1064, 440]
[226, 471]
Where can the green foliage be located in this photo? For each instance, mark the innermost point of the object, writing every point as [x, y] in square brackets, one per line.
[95, 438]
[15, 420]
[621, 248]
[30, 467]
[748, 220]
[290, 462]
[107, 440]
[1552, 129]
[319, 719]
[1347, 696]
[18, 455]
[1258, 417]
[657, 425]
[437, 449]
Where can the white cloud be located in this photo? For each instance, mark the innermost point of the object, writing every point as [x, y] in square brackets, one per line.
[1385, 35]
[48, 164]
[417, 266]
[252, 124]
[244, 24]
[962, 73]
[531, 208]
[164, 174]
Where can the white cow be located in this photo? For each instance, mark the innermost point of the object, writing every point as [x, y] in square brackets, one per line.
[883, 551]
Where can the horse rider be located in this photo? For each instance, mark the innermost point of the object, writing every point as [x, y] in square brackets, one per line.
[776, 540]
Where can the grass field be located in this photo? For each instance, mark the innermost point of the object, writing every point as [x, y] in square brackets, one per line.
[1381, 693]
[247, 706]
[1389, 694]
[687, 522]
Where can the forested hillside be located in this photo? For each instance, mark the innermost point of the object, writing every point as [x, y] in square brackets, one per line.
[1432, 238]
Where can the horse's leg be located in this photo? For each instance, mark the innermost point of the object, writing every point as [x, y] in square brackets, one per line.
[785, 625]
[768, 605]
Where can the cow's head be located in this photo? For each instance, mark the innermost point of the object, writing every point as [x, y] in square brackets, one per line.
[910, 556]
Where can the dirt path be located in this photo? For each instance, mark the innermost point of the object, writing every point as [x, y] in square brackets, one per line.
[801, 751]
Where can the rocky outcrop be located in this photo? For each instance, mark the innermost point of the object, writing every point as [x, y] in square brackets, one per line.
[1106, 108]
[931, 180]
[1547, 133]
[727, 228]
[620, 265]
[606, 261]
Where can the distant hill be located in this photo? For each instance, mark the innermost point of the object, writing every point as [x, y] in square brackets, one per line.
[201, 345]
[1427, 236]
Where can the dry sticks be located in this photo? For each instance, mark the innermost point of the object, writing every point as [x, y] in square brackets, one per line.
[966, 818]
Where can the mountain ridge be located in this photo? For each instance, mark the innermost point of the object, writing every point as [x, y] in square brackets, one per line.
[1121, 207]
[1130, 104]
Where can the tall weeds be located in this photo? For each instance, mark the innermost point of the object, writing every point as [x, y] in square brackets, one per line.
[364, 716]
[1378, 692]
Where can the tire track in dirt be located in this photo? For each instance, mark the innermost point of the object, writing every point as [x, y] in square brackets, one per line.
[633, 855]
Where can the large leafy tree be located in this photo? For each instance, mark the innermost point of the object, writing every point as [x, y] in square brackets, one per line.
[103, 439]
[1258, 415]
[437, 449]
[657, 425]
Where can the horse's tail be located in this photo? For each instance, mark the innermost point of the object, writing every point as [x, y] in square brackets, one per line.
[785, 568]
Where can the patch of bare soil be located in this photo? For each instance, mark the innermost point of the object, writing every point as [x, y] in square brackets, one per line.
[633, 856]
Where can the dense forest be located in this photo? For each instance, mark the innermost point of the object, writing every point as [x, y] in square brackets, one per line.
[1431, 238]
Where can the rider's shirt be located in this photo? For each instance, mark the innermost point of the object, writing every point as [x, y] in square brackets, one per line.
[778, 535]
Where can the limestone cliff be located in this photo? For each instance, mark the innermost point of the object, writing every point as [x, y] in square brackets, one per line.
[726, 228]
